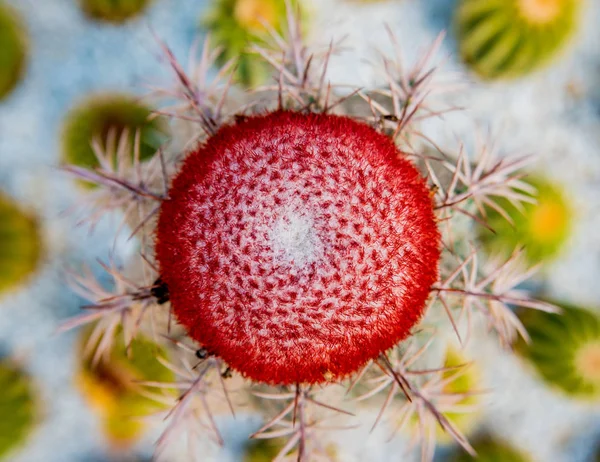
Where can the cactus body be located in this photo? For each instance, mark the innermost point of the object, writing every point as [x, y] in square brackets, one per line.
[509, 38]
[20, 244]
[263, 450]
[298, 249]
[565, 349]
[112, 387]
[463, 386]
[236, 24]
[492, 450]
[13, 50]
[114, 11]
[542, 228]
[17, 407]
[284, 214]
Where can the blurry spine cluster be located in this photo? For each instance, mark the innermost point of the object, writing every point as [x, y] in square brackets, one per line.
[496, 223]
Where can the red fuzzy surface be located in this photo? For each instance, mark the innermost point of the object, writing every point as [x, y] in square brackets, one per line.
[297, 247]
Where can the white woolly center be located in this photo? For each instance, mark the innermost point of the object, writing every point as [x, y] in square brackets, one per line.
[294, 236]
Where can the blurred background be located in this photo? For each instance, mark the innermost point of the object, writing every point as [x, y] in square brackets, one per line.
[529, 75]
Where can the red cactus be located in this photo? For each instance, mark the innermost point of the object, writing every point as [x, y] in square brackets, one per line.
[296, 247]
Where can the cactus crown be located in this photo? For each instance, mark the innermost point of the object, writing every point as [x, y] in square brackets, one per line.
[539, 11]
[102, 122]
[319, 257]
[565, 349]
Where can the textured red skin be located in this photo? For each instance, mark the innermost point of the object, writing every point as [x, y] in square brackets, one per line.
[270, 314]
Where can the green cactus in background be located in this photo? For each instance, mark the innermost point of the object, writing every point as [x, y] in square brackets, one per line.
[460, 384]
[17, 407]
[236, 24]
[564, 349]
[104, 118]
[264, 450]
[114, 11]
[492, 450]
[464, 383]
[13, 49]
[20, 244]
[113, 389]
[542, 228]
[509, 38]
